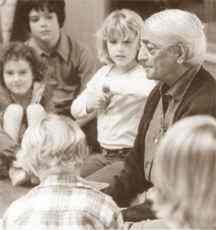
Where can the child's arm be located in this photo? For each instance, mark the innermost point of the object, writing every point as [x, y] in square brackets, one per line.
[85, 103]
[12, 120]
[86, 106]
[82, 121]
[80, 106]
[94, 98]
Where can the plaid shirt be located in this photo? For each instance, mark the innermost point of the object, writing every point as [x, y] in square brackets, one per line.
[63, 202]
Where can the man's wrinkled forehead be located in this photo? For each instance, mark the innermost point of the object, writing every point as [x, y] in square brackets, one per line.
[155, 37]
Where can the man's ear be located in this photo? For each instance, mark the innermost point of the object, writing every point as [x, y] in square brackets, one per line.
[182, 53]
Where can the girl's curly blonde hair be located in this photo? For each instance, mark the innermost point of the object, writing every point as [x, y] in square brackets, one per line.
[119, 24]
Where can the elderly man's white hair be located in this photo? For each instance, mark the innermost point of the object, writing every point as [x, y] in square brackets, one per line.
[178, 26]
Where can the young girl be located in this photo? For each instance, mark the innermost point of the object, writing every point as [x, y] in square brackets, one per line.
[22, 84]
[118, 90]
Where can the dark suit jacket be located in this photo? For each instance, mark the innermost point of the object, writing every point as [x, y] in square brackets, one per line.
[200, 98]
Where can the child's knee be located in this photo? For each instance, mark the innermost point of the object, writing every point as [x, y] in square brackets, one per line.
[14, 110]
[35, 113]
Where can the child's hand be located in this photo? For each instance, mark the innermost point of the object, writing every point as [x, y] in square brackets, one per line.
[103, 99]
[100, 101]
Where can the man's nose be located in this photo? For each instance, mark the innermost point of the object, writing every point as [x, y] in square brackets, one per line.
[143, 54]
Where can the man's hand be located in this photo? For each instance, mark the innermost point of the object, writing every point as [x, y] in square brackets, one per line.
[139, 212]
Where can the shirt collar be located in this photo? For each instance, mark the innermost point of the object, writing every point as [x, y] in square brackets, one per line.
[56, 179]
[178, 90]
[32, 43]
[62, 47]
[65, 180]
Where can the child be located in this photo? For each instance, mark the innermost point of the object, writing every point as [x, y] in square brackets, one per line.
[118, 90]
[184, 175]
[70, 64]
[21, 85]
[63, 200]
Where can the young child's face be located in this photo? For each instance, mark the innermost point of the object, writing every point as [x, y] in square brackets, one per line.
[18, 76]
[123, 52]
[44, 27]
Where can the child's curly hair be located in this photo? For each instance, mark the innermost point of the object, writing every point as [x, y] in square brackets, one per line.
[21, 51]
[120, 23]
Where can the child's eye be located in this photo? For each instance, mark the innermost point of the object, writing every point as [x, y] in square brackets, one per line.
[34, 19]
[22, 72]
[113, 41]
[9, 72]
[49, 16]
[127, 42]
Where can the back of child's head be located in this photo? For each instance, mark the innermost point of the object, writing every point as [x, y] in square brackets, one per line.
[52, 145]
[185, 173]
[24, 7]
[19, 51]
[120, 24]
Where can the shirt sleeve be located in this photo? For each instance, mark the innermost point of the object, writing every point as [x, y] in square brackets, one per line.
[85, 63]
[79, 105]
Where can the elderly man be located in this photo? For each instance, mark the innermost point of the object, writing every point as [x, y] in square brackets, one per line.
[173, 50]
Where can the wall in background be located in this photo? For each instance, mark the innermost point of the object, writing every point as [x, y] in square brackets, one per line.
[84, 17]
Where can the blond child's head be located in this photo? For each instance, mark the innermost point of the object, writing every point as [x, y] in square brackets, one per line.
[184, 174]
[52, 146]
[121, 25]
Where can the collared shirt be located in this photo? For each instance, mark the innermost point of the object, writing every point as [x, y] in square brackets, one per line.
[163, 116]
[117, 125]
[63, 202]
[70, 68]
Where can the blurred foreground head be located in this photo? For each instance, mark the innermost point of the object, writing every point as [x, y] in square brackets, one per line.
[185, 174]
[53, 146]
